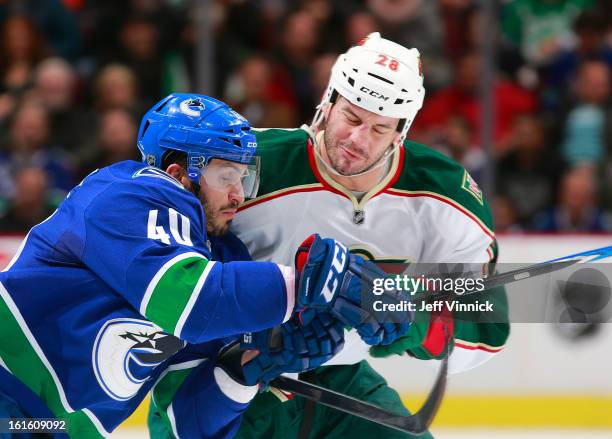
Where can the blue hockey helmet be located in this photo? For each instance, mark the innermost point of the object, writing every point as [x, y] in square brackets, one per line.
[203, 128]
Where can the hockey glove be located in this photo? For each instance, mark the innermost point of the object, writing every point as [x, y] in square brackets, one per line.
[328, 277]
[292, 347]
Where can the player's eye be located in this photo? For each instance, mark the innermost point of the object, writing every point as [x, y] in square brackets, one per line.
[381, 131]
[351, 119]
[227, 178]
[231, 176]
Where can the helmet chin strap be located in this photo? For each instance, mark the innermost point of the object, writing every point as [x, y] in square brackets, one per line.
[314, 134]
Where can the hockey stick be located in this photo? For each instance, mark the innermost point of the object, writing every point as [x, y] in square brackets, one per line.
[540, 269]
[416, 424]
[420, 421]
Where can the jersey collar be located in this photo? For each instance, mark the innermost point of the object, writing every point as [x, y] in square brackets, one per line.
[318, 169]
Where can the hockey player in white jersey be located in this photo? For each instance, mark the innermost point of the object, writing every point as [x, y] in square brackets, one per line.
[352, 175]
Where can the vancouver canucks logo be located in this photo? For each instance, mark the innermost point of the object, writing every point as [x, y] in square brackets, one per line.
[125, 353]
[192, 107]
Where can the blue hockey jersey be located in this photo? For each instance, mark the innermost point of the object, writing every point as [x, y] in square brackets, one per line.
[105, 294]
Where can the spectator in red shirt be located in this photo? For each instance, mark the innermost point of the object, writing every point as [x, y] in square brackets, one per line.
[261, 92]
[462, 99]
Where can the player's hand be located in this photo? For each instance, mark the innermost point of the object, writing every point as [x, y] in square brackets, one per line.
[232, 358]
[374, 327]
[320, 265]
[330, 278]
[292, 347]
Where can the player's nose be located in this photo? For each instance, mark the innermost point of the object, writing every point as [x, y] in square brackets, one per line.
[236, 194]
[359, 134]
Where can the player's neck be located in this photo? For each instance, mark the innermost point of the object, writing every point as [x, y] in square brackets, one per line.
[359, 183]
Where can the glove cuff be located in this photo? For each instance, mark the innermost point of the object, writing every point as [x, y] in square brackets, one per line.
[439, 332]
[289, 275]
[235, 391]
[301, 255]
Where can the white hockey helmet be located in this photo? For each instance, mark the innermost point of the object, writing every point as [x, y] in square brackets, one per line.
[380, 76]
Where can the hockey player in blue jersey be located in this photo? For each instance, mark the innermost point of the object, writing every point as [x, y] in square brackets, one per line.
[117, 290]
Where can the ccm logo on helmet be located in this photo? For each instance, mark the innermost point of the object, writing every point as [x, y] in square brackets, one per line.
[374, 94]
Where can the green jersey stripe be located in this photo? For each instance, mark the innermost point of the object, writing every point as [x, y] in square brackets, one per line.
[170, 291]
[151, 287]
[166, 387]
[84, 424]
[172, 421]
[192, 299]
[22, 356]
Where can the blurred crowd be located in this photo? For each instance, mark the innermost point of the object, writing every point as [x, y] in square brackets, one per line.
[77, 75]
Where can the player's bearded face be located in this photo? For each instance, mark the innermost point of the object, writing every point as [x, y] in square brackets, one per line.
[220, 200]
[355, 139]
[217, 218]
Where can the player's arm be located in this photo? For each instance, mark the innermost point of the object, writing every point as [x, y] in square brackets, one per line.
[147, 242]
[476, 336]
[199, 398]
[149, 247]
[196, 398]
[480, 335]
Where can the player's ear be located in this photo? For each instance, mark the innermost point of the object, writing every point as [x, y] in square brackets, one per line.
[326, 110]
[179, 173]
[396, 138]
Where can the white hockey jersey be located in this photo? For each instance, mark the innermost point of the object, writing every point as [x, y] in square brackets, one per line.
[427, 209]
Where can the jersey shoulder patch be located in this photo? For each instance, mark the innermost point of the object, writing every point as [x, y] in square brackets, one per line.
[470, 185]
